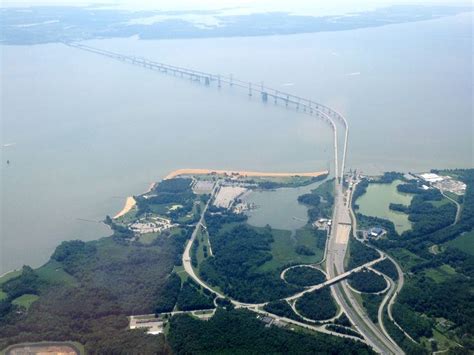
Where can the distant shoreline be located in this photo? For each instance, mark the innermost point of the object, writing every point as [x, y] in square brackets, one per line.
[130, 201]
[241, 173]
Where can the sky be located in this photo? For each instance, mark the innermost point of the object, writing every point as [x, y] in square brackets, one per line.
[298, 7]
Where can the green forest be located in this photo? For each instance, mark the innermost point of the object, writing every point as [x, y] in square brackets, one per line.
[240, 332]
[367, 281]
[438, 289]
[304, 276]
[239, 252]
[317, 305]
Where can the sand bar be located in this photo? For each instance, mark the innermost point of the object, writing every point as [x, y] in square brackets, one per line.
[129, 204]
[240, 173]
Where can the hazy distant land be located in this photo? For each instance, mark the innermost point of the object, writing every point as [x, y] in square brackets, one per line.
[36, 25]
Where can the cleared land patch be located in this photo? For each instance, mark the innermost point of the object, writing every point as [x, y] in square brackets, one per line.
[465, 242]
[284, 248]
[25, 301]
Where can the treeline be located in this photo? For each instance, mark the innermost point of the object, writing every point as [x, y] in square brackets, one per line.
[283, 309]
[317, 305]
[217, 217]
[389, 177]
[367, 281]
[74, 254]
[169, 295]
[179, 242]
[177, 191]
[304, 276]
[399, 207]
[370, 221]
[319, 201]
[240, 332]
[451, 299]
[360, 254]
[271, 185]
[173, 186]
[405, 343]
[193, 297]
[414, 324]
[303, 250]
[388, 268]
[371, 303]
[359, 190]
[237, 255]
[343, 330]
[27, 282]
[427, 218]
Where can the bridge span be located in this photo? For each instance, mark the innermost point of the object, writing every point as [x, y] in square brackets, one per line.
[266, 93]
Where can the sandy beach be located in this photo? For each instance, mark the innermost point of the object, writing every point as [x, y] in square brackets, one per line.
[240, 173]
[129, 204]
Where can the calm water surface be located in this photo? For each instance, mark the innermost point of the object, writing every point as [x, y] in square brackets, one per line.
[376, 201]
[82, 132]
[279, 208]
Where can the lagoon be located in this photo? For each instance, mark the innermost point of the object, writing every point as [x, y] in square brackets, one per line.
[376, 201]
[279, 208]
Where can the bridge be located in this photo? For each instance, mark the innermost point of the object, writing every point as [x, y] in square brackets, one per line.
[335, 279]
[266, 93]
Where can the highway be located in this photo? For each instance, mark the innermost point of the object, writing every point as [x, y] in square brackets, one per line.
[337, 248]
[334, 279]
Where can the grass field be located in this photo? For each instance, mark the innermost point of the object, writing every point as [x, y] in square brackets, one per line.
[3, 295]
[464, 242]
[179, 270]
[440, 274]
[10, 275]
[52, 272]
[128, 217]
[454, 196]
[406, 258]
[148, 238]
[283, 249]
[25, 301]
[441, 202]
[443, 342]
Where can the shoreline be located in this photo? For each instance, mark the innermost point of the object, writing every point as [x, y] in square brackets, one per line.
[241, 173]
[9, 272]
[129, 204]
[130, 201]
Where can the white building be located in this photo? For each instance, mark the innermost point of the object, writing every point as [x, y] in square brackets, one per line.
[430, 177]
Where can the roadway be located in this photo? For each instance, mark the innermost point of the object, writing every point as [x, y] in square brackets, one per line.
[458, 207]
[337, 248]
